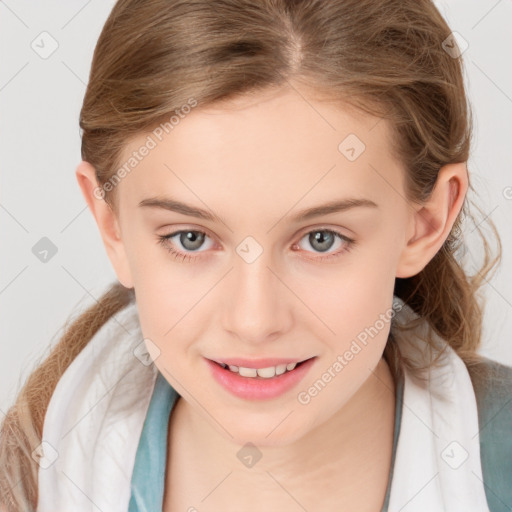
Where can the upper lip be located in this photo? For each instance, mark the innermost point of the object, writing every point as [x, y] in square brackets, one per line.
[257, 363]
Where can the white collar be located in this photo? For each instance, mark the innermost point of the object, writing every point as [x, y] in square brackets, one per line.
[437, 462]
[94, 420]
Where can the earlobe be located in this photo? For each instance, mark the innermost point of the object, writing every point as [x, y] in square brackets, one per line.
[433, 220]
[106, 220]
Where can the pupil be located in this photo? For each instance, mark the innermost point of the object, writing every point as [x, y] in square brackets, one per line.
[194, 237]
[322, 236]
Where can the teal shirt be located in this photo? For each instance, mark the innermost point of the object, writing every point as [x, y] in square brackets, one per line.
[148, 478]
[491, 380]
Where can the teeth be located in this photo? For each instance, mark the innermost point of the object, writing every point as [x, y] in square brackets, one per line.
[280, 369]
[265, 373]
[247, 372]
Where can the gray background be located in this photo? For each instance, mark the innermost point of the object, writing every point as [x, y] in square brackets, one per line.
[40, 101]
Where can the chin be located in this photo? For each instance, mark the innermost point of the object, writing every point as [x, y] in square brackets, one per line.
[272, 431]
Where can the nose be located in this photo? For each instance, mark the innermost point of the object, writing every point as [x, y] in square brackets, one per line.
[258, 305]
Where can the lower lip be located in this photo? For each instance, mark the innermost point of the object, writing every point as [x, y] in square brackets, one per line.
[258, 388]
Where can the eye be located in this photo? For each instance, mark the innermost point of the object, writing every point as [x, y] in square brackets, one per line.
[323, 240]
[189, 239]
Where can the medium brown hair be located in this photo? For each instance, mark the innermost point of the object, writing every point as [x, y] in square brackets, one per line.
[385, 58]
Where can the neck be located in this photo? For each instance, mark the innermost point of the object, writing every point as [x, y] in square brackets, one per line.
[348, 455]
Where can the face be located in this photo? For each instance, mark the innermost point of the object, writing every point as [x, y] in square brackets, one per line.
[260, 278]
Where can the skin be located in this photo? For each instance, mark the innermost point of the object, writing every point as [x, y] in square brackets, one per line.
[256, 161]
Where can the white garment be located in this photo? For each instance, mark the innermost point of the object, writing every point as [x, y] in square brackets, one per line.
[94, 421]
[437, 464]
[97, 412]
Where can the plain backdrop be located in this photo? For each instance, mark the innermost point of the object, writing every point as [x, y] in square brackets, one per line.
[46, 50]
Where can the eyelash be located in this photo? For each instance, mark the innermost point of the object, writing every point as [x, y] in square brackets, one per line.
[164, 241]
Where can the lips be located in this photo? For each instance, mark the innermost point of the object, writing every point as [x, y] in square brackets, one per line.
[258, 388]
[257, 363]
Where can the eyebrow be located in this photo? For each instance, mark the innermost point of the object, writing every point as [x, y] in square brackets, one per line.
[335, 206]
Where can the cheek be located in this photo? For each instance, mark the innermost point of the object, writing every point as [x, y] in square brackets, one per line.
[171, 325]
[173, 309]
[167, 307]
[354, 307]
[360, 326]
[349, 297]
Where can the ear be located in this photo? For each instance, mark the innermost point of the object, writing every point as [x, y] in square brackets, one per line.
[432, 221]
[107, 221]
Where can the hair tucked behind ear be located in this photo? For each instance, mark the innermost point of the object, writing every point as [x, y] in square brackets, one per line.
[157, 59]
[447, 298]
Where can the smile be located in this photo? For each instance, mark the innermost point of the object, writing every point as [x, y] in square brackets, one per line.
[264, 373]
[259, 383]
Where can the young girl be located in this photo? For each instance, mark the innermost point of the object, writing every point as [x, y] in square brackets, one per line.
[280, 187]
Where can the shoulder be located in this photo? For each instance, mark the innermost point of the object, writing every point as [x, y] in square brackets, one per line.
[491, 378]
[492, 382]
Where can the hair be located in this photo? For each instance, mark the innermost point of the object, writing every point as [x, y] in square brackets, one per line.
[153, 57]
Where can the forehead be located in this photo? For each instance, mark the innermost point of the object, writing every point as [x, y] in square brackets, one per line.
[281, 141]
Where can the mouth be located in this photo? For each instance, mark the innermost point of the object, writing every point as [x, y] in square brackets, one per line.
[267, 372]
[264, 382]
